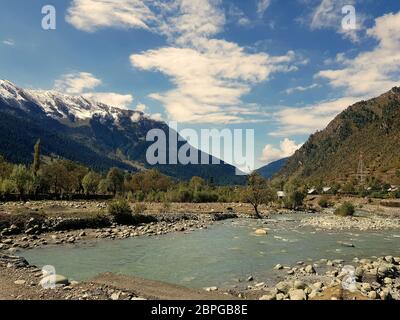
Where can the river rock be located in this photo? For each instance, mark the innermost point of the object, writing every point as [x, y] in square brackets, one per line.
[297, 294]
[299, 285]
[366, 287]
[268, 297]
[283, 287]
[278, 267]
[389, 259]
[372, 295]
[53, 280]
[318, 285]
[261, 232]
[115, 296]
[309, 269]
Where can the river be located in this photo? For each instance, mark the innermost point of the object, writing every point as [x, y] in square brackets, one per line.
[222, 255]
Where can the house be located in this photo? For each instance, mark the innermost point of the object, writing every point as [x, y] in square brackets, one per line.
[393, 188]
[312, 191]
[326, 189]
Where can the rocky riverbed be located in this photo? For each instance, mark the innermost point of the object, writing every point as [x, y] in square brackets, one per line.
[329, 221]
[21, 281]
[36, 235]
[374, 279]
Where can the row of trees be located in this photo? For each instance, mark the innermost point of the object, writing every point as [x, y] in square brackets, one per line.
[64, 178]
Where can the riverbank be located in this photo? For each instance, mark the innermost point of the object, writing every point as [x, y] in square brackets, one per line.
[37, 224]
[320, 279]
[328, 221]
[364, 279]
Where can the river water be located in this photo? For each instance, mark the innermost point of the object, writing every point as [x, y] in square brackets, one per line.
[221, 255]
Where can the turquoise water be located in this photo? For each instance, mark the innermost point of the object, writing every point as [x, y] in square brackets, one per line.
[218, 256]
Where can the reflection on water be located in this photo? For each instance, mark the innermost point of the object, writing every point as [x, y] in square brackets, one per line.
[220, 255]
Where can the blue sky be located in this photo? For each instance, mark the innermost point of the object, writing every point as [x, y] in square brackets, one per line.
[282, 68]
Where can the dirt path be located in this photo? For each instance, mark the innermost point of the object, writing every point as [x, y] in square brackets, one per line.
[156, 290]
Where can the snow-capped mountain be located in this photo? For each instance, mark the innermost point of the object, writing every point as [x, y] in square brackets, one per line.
[62, 106]
[86, 131]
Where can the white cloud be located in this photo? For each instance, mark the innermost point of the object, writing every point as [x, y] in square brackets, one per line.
[368, 74]
[210, 75]
[111, 98]
[90, 15]
[156, 116]
[76, 83]
[238, 16]
[307, 120]
[210, 79]
[372, 72]
[287, 148]
[9, 42]
[301, 88]
[82, 83]
[262, 6]
[141, 107]
[328, 15]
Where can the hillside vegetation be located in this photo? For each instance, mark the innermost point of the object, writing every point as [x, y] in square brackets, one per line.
[368, 129]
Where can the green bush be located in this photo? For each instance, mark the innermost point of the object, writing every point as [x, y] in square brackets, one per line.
[324, 202]
[139, 208]
[121, 212]
[204, 197]
[345, 210]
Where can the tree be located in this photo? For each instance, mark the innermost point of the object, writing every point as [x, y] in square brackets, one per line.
[197, 183]
[103, 187]
[257, 192]
[90, 183]
[36, 158]
[21, 177]
[115, 179]
[7, 187]
[57, 177]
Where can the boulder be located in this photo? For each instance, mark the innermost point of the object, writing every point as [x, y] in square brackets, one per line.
[300, 285]
[51, 281]
[372, 295]
[261, 232]
[283, 287]
[309, 269]
[297, 294]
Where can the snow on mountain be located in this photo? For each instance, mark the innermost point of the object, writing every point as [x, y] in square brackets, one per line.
[62, 106]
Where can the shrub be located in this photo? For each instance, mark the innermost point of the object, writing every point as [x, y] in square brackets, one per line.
[324, 202]
[121, 212]
[294, 200]
[345, 210]
[185, 196]
[139, 208]
[204, 197]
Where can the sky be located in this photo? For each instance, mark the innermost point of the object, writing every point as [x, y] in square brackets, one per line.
[282, 68]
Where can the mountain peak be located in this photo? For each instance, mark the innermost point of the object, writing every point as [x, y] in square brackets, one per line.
[62, 106]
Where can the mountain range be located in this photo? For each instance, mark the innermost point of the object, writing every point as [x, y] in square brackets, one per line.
[89, 132]
[271, 169]
[362, 140]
